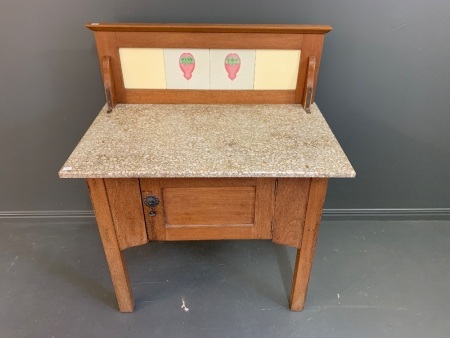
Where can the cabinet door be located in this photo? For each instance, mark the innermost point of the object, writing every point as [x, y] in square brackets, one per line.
[209, 208]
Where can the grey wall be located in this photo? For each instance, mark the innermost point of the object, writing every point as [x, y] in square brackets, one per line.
[384, 88]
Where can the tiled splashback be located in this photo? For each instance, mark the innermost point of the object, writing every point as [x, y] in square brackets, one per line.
[220, 69]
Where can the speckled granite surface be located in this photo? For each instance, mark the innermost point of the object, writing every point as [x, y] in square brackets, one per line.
[144, 140]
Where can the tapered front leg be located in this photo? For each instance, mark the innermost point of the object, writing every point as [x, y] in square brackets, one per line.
[116, 263]
[305, 254]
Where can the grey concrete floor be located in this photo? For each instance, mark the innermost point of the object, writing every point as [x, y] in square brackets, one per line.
[370, 279]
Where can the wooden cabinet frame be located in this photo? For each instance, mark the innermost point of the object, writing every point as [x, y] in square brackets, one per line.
[287, 210]
[284, 209]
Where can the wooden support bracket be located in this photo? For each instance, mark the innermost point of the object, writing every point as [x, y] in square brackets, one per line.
[108, 83]
[310, 77]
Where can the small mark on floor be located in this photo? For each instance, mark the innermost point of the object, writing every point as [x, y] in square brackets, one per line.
[12, 263]
[183, 305]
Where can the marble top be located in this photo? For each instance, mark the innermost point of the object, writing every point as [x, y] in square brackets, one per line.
[177, 140]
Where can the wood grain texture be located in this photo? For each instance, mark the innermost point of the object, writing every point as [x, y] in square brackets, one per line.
[290, 210]
[208, 40]
[173, 96]
[209, 205]
[148, 183]
[311, 46]
[216, 28]
[124, 195]
[309, 85]
[117, 267]
[305, 254]
[195, 232]
[264, 208]
[108, 83]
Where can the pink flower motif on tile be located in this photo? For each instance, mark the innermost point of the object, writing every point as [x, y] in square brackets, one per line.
[232, 65]
[187, 65]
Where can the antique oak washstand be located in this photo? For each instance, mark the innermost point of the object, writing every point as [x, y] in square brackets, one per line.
[209, 132]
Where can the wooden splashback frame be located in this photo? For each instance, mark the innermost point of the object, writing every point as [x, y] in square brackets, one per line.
[110, 37]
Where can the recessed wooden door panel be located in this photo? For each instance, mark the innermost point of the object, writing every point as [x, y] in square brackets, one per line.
[210, 208]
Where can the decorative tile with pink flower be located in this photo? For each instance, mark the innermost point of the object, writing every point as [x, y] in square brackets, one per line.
[186, 68]
[232, 68]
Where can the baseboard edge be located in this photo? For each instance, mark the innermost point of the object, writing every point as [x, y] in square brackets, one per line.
[61, 216]
[387, 214]
[47, 216]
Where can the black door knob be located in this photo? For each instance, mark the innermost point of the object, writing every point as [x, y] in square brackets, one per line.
[151, 201]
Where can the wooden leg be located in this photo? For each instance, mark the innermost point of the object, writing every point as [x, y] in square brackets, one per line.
[305, 254]
[117, 267]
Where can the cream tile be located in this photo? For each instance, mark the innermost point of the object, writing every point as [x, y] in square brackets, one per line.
[276, 69]
[232, 76]
[187, 68]
[143, 68]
